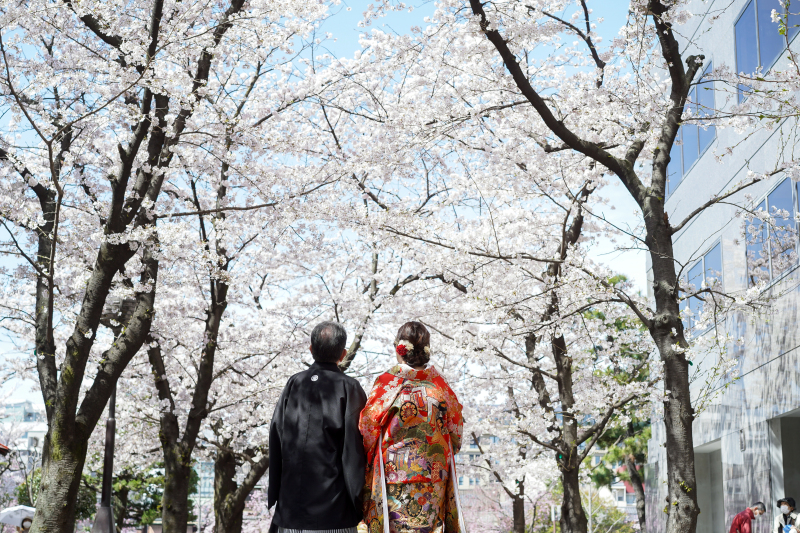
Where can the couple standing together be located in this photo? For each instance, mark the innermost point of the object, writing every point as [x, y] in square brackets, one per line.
[337, 458]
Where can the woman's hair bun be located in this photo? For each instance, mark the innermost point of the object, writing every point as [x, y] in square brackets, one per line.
[417, 334]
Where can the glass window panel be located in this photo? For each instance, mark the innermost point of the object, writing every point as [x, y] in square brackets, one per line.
[783, 235]
[630, 498]
[705, 108]
[689, 146]
[770, 42]
[793, 25]
[757, 248]
[690, 150]
[675, 167]
[695, 284]
[746, 49]
[713, 267]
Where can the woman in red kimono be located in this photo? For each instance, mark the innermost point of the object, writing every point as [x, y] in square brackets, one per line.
[414, 418]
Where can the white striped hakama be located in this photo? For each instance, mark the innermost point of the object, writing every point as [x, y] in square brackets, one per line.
[343, 530]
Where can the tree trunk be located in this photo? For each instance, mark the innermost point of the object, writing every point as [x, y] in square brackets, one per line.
[121, 507]
[638, 489]
[61, 478]
[228, 516]
[573, 518]
[175, 500]
[229, 496]
[666, 330]
[66, 443]
[178, 449]
[518, 507]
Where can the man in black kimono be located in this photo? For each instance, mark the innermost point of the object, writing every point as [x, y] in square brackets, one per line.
[316, 471]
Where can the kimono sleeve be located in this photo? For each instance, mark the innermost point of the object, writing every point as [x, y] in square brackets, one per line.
[455, 421]
[380, 400]
[353, 456]
[275, 455]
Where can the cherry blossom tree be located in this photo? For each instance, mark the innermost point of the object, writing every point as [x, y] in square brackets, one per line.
[489, 109]
[622, 145]
[107, 112]
[454, 175]
[461, 135]
[533, 310]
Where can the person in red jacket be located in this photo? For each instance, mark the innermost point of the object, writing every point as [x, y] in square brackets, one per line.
[742, 522]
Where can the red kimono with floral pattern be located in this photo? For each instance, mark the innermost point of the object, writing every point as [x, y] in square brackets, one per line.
[419, 417]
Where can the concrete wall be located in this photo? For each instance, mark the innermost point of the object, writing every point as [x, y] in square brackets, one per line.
[710, 491]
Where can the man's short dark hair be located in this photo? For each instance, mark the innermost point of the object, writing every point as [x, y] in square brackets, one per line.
[760, 506]
[788, 501]
[328, 340]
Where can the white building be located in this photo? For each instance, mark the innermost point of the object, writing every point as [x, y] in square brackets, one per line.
[620, 493]
[470, 453]
[23, 429]
[21, 412]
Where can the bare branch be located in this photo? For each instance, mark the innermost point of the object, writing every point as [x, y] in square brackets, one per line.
[715, 200]
[601, 65]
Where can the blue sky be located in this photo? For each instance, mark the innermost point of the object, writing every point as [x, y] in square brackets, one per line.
[344, 24]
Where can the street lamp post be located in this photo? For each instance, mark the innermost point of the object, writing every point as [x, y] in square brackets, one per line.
[104, 520]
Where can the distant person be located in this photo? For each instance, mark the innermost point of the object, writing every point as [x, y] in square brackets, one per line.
[787, 521]
[412, 428]
[316, 471]
[26, 525]
[742, 522]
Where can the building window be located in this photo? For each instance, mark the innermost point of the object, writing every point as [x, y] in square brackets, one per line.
[705, 107]
[706, 273]
[772, 237]
[620, 495]
[692, 139]
[675, 167]
[630, 498]
[758, 39]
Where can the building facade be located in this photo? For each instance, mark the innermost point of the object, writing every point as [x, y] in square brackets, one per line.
[619, 493]
[747, 439]
[21, 412]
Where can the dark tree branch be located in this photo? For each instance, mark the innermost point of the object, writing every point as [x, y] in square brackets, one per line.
[715, 200]
[620, 167]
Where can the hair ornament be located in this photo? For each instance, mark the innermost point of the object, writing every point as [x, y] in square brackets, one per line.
[403, 348]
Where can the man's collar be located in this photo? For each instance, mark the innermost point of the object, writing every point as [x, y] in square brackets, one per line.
[333, 367]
